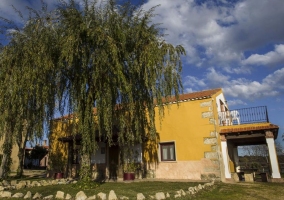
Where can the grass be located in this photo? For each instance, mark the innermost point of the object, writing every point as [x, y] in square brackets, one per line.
[242, 190]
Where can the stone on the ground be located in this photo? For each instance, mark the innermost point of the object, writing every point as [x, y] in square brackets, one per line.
[2, 188]
[81, 196]
[178, 194]
[35, 183]
[182, 192]
[68, 196]
[160, 195]
[196, 188]
[6, 194]
[28, 195]
[140, 196]
[13, 182]
[18, 195]
[112, 195]
[208, 184]
[168, 195]
[91, 197]
[123, 197]
[249, 178]
[59, 195]
[20, 185]
[191, 190]
[151, 197]
[102, 196]
[37, 196]
[23, 182]
[62, 182]
[44, 183]
[48, 197]
[200, 187]
[5, 183]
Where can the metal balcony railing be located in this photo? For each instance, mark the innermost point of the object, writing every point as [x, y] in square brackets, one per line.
[243, 116]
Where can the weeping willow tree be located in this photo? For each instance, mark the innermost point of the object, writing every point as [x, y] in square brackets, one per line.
[28, 91]
[106, 56]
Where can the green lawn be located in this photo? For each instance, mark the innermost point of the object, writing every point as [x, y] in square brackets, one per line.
[220, 191]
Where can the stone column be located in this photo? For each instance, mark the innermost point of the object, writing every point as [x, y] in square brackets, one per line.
[225, 156]
[272, 154]
[236, 159]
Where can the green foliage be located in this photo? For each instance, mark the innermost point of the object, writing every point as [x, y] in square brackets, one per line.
[105, 55]
[85, 185]
[131, 167]
[57, 161]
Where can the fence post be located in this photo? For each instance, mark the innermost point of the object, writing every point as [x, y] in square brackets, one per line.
[267, 120]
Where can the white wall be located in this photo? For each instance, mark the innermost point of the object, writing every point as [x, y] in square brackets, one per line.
[218, 98]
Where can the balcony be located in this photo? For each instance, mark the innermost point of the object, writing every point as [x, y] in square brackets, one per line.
[243, 116]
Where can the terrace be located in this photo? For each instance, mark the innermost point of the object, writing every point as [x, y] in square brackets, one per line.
[243, 116]
[244, 127]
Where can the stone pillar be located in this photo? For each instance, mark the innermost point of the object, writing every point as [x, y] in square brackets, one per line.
[236, 159]
[272, 154]
[225, 156]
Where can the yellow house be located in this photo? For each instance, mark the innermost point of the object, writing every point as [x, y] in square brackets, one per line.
[198, 139]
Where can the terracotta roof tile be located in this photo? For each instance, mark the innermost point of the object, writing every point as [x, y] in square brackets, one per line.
[200, 94]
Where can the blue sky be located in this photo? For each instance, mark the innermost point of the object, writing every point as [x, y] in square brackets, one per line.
[237, 45]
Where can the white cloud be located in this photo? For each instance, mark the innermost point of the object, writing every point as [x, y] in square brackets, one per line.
[216, 79]
[193, 81]
[213, 35]
[223, 33]
[188, 90]
[271, 86]
[236, 102]
[270, 58]
[241, 88]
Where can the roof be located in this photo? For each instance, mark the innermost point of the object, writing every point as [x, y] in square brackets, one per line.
[204, 94]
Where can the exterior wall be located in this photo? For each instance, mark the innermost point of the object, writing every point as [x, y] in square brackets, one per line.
[221, 98]
[58, 151]
[14, 156]
[203, 169]
[190, 125]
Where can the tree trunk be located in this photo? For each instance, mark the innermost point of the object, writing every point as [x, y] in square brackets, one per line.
[6, 161]
[21, 156]
[85, 168]
[2, 167]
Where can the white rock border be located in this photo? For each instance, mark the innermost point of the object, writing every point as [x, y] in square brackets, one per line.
[5, 185]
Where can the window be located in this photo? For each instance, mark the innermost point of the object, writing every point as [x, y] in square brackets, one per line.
[168, 151]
